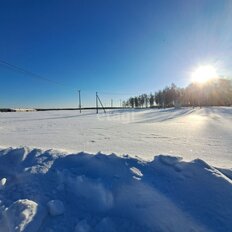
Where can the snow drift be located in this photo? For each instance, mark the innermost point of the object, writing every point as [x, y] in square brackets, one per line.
[52, 191]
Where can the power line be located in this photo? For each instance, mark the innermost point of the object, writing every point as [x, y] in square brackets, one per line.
[26, 72]
[121, 93]
[33, 75]
[39, 77]
[117, 93]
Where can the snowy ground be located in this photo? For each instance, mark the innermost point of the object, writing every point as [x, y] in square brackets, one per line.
[190, 133]
[55, 191]
[47, 191]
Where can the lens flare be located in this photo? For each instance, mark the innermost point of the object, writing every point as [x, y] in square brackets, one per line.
[204, 74]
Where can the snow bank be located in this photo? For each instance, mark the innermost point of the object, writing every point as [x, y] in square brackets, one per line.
[111, 193]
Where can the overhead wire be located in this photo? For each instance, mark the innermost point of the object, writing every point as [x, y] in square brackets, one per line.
[27, 73]
[33, 75]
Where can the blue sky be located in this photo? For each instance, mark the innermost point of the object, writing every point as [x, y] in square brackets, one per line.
[116, 47]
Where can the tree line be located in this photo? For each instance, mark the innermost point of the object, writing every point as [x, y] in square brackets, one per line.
[213, 93]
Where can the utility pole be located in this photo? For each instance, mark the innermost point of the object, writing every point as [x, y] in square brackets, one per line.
[98, 99]
[111, 103]
[79, 100]
[96, 103]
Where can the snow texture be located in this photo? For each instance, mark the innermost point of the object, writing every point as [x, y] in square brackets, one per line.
[2, 183]
[56, 207]
[100, 193]
[22, 215]
[191, 133]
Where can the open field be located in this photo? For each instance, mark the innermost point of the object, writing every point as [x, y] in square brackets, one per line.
[47, 190]
[190, 133]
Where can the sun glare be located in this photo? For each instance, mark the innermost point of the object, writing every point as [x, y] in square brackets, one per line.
[204, 74]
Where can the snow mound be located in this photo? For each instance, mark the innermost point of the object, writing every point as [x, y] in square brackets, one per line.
[56, 207]
[110, 193]
[2, 183]
[22, 215]
[82, 226]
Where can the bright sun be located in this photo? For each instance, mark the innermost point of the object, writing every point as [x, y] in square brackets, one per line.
[204, 73]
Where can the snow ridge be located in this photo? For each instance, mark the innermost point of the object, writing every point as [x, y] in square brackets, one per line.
[52, 191]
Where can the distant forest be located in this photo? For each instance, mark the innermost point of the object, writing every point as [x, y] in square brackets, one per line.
[212, 93]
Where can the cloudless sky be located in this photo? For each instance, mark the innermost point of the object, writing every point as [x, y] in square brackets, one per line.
[116, 47]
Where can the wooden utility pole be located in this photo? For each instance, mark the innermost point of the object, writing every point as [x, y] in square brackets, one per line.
[98, 99]
[96, 103]
[79, 100]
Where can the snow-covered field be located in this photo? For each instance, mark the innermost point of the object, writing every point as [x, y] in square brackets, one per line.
[190, 133]
[68, 190]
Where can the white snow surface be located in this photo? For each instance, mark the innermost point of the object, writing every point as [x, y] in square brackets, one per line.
[191, 133]
[108, 193]
[75, 187]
